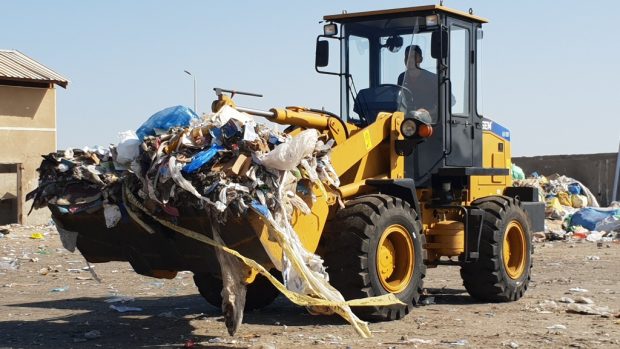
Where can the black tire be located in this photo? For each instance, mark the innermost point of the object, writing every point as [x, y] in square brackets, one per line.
[260, 293]
[350, 246]
[487, 279]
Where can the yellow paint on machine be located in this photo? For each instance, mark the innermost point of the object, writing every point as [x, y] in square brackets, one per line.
[496, 153]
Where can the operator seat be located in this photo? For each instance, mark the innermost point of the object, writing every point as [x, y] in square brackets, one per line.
[373, 100]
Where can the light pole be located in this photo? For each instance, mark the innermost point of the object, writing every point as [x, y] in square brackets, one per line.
[194, 77]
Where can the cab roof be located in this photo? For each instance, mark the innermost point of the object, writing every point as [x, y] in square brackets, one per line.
[346, 17]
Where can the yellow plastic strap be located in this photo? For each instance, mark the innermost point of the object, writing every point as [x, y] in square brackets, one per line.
[300, 299]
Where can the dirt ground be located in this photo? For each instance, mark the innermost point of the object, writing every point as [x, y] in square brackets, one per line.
[52, 301]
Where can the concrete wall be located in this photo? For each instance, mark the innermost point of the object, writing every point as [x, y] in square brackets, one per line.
[27, 130]
[595, 171]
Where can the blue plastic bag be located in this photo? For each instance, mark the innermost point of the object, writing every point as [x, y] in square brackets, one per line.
[165, 119]
[201, 159]
[574, 188]
[588, 217]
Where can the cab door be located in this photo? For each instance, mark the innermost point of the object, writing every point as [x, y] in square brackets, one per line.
[460, 127]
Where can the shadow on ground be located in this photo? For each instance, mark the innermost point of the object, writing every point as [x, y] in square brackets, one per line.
[447, 296]
[151, 327]
[164, 322]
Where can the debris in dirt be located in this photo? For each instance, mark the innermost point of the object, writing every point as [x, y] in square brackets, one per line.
[428, 301]
[539, 237]
[588, 309]
[37, 236]
[190, 343]
[578, 289]
[557, 328]
[94, 334]
[121, 299]
[513, 345]
[5, 229]
[566, 300]
[406, 340]
[593, 258]
[583, 300]
[124, 309]
[547, 305]
[263, 346]
[9, 263]
[60, 289]
[459, 342]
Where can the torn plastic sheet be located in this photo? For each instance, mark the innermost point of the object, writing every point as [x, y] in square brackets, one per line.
[226, 113]
[287, 156]
[201, 159]
[234, 289]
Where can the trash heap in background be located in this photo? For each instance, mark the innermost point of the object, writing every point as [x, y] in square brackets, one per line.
[571, 210]
[225, 164]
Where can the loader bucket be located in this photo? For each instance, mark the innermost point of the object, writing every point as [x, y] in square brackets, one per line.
[164, 249]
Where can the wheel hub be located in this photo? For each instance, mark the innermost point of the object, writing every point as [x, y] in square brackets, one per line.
[395, 258]
[514, 250]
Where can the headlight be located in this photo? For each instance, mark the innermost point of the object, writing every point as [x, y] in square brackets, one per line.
[408, 128]
[330, 29]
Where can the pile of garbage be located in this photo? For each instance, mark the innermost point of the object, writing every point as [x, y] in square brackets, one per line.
[225, 164]
[570, 202]
[76, 180]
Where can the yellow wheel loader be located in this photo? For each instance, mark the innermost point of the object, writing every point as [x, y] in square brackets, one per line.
[424, 177]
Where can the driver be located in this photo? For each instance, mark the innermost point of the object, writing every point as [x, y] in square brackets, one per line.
[421, 82]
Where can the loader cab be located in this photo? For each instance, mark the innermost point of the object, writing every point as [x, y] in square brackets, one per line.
[407, 59]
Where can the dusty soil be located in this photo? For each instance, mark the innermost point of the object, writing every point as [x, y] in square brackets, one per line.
[51, 301]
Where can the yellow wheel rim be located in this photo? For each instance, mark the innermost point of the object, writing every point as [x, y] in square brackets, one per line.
[395, 258]
[515, 250]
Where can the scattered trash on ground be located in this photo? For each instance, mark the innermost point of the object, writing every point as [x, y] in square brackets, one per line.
[94, 334]
[37, 236]
[120, 299]
[7, 263]
[588, 309]
[60, 289]
[578, 289]
[124, 309]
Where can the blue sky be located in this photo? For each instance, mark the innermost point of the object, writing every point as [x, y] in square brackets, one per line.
[550, 72]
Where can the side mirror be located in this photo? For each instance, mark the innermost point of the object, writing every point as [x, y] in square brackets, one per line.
[439, 44]
[322, 54]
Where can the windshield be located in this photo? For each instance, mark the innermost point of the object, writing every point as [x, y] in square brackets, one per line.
[390, 68]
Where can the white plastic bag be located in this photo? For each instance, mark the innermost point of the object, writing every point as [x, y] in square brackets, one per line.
[128, 148]
[112, 214]
[287, 156]
[226, 113]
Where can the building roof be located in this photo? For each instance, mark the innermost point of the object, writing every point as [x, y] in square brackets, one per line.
[16, 66]
[407, 10]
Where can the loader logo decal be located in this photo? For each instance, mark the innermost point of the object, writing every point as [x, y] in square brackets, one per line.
[494, 127]
[367, 140]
